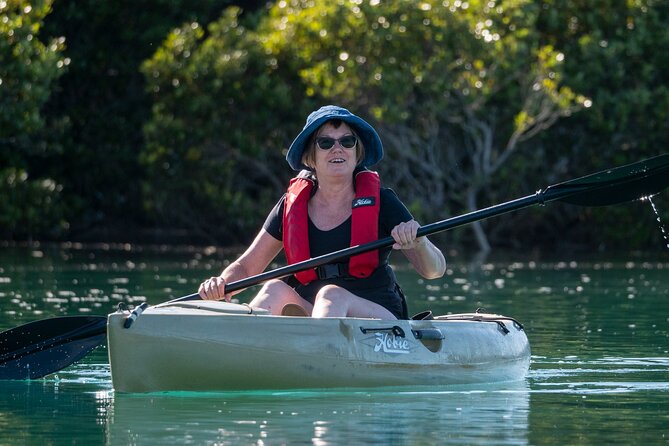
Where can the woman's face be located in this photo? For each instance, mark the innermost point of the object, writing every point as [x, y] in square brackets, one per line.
[338, 160]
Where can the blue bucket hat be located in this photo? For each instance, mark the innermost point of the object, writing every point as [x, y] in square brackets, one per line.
[370, 139]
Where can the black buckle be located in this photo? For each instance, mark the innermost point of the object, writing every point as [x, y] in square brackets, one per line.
[332, 271]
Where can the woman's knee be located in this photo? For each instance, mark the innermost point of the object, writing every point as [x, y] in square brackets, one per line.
[273, 295]
[274, 287]
[329, 292]
[332, 300]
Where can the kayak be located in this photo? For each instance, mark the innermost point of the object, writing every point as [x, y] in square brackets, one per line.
[221, 346]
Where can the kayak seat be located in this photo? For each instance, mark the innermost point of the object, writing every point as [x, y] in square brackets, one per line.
[423, 316]
[294, 310]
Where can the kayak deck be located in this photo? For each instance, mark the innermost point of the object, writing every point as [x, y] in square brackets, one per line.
[210, 346]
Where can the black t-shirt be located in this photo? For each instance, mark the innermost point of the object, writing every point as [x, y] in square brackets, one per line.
[381, 286]
[391, 213]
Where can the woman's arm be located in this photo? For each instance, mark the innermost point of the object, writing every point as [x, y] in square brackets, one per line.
[254, 261]
[426, 258]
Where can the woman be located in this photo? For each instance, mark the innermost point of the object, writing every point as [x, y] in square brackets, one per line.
[334, 203]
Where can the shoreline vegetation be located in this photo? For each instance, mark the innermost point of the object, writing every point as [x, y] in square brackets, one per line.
[571, 257]
[174, 130]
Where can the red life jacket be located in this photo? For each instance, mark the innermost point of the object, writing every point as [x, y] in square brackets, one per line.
[364, 223]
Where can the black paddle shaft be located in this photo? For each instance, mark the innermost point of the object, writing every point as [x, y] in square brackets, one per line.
[618, 185]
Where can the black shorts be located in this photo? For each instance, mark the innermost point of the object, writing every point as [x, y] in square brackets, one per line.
[380, 287]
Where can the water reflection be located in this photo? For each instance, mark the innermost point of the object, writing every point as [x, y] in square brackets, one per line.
[455, 416]
[37, 412]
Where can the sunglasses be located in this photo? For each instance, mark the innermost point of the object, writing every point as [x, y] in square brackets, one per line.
[326, 143]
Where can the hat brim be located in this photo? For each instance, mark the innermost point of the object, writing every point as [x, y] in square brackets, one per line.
[369, 137]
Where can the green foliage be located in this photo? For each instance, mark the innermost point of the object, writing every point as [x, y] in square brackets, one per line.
[458, 85]
[462, 86]
[218, 128]
[103, 105]
[28, 70]
[614, 54]
[29, 207]
[477, 102]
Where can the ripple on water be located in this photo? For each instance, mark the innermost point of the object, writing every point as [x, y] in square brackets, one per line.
[599, 375]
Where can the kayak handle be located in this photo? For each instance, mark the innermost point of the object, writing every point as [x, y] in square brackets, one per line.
[134, 314]
[428, 334]
[395, 330]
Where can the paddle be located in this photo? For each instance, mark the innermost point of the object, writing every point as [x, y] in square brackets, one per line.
[28, 346]
[39, 348]
[613, 186]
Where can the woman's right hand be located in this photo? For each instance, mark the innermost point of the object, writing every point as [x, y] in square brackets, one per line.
[213, 289]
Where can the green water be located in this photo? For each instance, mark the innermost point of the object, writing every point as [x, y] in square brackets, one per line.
[599, 330]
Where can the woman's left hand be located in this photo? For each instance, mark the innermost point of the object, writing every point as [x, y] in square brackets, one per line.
[405, 235]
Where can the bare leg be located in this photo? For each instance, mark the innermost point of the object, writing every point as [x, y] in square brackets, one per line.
[274, 294]
[334, 301]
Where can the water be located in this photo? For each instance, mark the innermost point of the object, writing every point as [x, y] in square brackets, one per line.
[599, 329]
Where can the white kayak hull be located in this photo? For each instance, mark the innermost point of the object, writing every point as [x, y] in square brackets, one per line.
[218, 346]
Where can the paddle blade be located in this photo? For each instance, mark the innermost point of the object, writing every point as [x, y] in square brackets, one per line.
[626, 183]
[42, 347]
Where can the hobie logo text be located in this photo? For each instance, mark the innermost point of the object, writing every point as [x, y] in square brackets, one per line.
[363, 201]
[389, 343]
